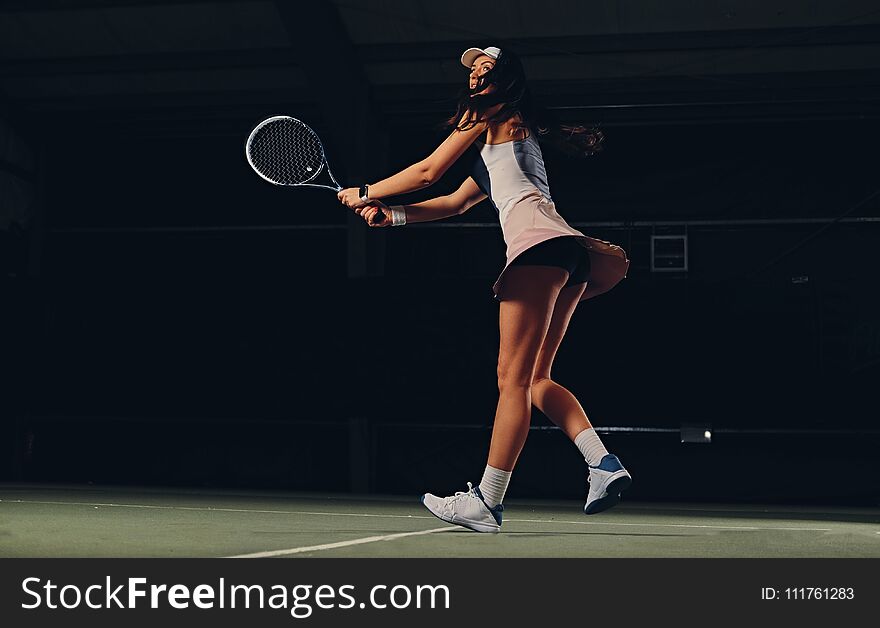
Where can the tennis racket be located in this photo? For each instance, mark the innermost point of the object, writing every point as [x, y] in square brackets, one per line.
[286, 151]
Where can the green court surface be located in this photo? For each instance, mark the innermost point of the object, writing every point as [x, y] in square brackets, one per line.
[87, 521]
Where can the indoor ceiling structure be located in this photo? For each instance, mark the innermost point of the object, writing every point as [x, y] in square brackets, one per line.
[624, 61]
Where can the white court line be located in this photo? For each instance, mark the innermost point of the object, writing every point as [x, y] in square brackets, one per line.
[210, 509]
[326, 546]
[677, 525]
[351, 514]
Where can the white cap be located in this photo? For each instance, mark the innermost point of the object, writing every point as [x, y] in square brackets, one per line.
[472, 53]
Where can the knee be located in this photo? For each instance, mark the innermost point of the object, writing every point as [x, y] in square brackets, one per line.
[537, 380]
[510, 380]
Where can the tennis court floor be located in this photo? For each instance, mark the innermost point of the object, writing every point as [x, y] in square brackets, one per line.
[88, 521]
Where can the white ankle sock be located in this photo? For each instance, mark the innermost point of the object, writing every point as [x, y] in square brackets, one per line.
[591, 447]
[494, 485]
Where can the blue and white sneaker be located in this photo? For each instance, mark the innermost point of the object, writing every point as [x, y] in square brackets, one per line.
[607, 481]
[465, 508]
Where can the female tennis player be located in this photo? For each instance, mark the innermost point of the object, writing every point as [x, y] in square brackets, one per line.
[550, 268]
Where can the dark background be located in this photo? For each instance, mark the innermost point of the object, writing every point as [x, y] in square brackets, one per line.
[169, 318]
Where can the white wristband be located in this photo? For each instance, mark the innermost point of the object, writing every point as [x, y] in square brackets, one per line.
[398, 216]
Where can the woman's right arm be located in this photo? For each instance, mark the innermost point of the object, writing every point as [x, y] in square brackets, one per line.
[465, 197]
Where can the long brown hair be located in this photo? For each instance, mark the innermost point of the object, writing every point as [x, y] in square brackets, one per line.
[516, 100]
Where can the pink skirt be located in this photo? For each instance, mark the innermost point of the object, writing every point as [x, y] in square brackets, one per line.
[534, 220]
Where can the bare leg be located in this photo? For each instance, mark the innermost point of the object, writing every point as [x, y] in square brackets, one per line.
[555, 401]
[560, 406]
[524, 319]
[607, 476]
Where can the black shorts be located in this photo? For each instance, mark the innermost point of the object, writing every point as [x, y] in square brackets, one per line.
[563, 252]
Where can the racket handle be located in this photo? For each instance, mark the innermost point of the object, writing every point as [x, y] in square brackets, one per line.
[379, 217]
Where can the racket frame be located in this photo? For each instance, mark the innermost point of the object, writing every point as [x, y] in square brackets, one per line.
[306, 183]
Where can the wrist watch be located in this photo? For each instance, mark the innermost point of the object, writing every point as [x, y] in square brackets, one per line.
[365, 193]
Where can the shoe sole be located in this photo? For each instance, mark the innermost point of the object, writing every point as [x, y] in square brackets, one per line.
[612, 497]
[465, 523]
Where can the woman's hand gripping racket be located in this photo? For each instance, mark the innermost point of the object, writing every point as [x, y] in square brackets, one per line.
[286, 151]
[373, 213]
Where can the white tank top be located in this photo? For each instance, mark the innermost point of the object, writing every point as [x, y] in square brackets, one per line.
[513, 176]
[511, 170]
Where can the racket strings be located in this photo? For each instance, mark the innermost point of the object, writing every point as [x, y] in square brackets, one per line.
[286, 151]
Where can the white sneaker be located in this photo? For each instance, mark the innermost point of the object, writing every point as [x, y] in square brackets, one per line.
[607, 480]
[465, 508]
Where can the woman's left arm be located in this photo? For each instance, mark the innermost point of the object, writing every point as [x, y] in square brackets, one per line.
[422, 174]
